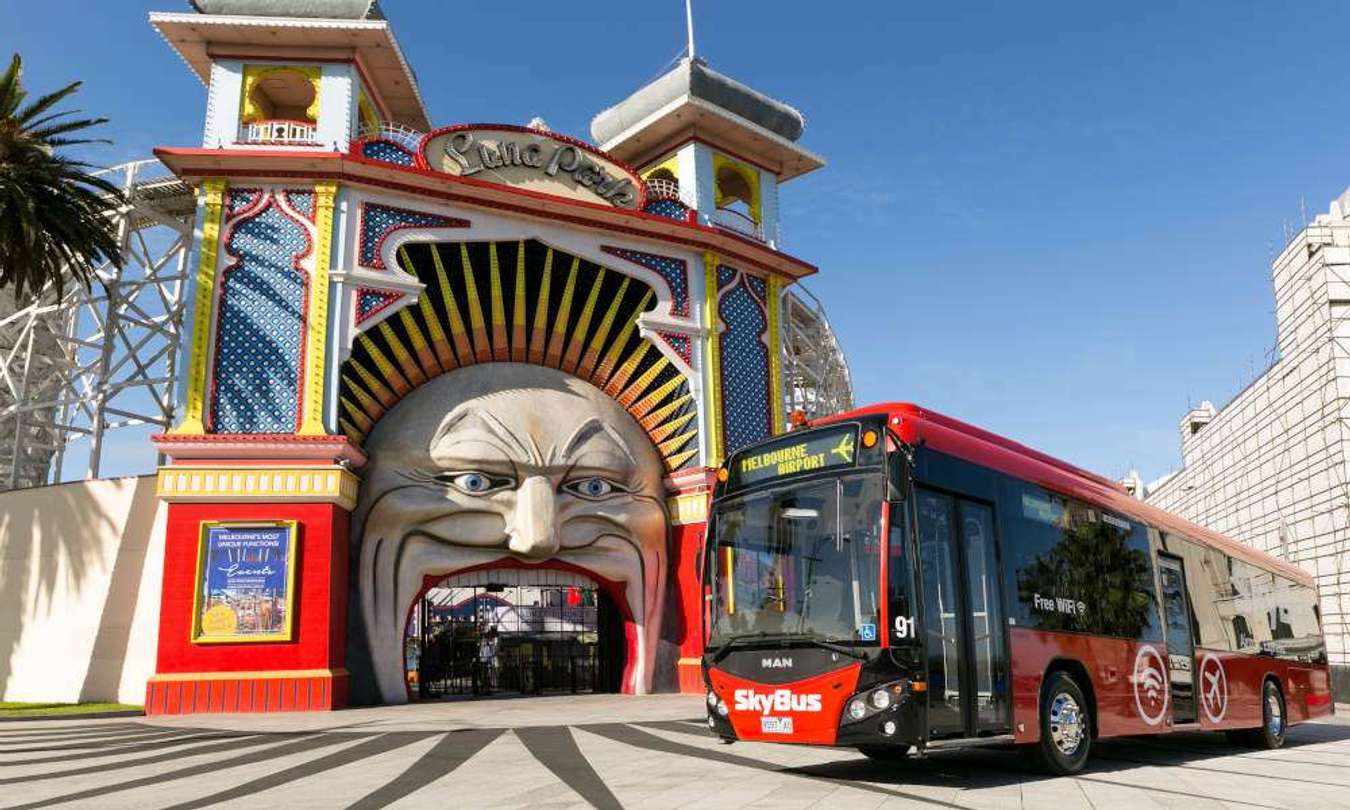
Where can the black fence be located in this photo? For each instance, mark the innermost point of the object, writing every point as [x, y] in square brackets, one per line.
[542, 649]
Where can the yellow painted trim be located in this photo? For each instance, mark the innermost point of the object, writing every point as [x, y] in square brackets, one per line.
[194, 408]
[274, 484]
[195, 634]
[316, 321]
[539, 332]
[250, 675]
[457, 333]
[686, 509]
[553, 356]
[407, 363]
[248, 111]
[601, 377]
[501, 348]
[711, 352]
[670, 164]
[751, 176]
[518, 339]
[482, 345]
[573, 354]
[366, 110]
[775, 287]
[592, 355]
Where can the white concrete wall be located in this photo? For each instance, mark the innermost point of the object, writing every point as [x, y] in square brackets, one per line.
[80, 572]
[1270, 469]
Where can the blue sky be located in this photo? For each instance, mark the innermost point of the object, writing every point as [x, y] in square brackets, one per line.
[1054, 220]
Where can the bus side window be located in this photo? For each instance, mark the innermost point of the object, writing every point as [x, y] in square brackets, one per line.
[900, 577]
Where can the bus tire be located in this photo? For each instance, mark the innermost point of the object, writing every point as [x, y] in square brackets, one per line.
[1274, 718]
[1066, 733]
[885, 753]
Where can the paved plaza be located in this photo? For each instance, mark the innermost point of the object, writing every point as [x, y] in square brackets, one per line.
[609, 751]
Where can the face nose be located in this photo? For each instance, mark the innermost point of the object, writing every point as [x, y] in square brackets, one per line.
[533, 528]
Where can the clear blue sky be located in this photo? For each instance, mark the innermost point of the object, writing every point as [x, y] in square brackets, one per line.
[1054, 220]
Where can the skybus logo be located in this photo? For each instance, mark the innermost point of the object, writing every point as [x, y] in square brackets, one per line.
[779, 700]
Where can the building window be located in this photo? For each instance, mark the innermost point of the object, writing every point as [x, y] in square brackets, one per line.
[280, 104]
[737, 197]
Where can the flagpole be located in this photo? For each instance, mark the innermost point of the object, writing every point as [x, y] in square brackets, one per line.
[689, 22]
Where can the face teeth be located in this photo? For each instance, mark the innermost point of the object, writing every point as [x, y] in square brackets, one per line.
[393, 574]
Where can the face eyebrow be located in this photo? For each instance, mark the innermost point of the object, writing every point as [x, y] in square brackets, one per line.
[595, 438]
[473, 427]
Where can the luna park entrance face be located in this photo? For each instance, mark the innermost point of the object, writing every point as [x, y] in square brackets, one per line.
[514, 632]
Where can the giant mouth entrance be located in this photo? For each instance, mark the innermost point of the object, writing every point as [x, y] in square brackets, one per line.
[502, 632]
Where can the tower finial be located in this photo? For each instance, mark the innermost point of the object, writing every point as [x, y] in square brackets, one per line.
[689, 22]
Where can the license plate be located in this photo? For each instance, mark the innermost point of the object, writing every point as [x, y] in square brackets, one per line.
[775, 725]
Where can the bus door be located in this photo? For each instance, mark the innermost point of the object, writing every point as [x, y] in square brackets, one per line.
[1180, 639]
[962, 616]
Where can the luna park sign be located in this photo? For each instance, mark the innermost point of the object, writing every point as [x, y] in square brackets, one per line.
[535, 160]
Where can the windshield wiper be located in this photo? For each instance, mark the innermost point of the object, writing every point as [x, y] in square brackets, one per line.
[795, 638]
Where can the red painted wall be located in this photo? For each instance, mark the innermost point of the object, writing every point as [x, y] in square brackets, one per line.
[320, 619]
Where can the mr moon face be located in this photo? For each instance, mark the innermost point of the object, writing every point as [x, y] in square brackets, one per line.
[516, 465]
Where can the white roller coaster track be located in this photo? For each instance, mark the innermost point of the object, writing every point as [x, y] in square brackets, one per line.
[816, 378]
[77, 366]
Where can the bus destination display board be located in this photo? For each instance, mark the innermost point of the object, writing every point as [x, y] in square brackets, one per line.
[795, 454]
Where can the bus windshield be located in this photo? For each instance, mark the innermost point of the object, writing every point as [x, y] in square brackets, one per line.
[799, 560]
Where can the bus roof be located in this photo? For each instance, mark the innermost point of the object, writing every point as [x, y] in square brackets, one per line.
[979, 446]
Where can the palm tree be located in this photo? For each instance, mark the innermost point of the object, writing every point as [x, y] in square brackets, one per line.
[53, 212]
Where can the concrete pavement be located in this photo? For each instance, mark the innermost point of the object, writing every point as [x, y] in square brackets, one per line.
[611, 751]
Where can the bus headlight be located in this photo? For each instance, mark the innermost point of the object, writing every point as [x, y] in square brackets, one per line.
[722, 708]
[875, 700]
[712, 700]
[857, 710]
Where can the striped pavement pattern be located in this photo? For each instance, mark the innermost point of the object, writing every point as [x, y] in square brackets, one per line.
[651, 764]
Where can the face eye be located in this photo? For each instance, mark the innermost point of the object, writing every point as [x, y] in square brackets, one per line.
[593, 489]
[473, 482]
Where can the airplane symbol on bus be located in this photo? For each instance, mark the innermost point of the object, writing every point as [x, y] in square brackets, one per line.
[1214, 688]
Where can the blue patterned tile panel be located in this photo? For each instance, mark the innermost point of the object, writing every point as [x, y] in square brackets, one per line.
[746, 406]
[387, 152]
[378, 221]
[674, 271]
[671, 209]
[260, 326]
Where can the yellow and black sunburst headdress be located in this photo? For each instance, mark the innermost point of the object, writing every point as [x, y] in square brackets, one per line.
[521, 302]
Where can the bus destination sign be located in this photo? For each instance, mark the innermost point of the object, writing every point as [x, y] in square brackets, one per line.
[793, 455]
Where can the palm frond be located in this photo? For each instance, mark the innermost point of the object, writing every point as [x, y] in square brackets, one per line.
[45, 103]
[55, 213]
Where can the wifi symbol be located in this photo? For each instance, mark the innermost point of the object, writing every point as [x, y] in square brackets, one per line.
[1153, 683]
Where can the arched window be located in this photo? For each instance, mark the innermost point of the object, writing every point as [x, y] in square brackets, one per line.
[280, 103]
[737, 196]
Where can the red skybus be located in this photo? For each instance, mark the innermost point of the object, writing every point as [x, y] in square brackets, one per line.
[894, 580]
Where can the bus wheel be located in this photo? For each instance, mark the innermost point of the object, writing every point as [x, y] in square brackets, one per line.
[1065, 732]
[885, 753]
[1273, 718]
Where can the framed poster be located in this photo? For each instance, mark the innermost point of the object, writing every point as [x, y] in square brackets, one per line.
[245, 582]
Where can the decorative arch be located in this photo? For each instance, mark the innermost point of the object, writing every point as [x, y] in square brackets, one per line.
[280, 91]
[735, 182]
[521, 302]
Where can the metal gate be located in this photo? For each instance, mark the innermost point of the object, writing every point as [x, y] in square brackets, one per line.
[496, 638]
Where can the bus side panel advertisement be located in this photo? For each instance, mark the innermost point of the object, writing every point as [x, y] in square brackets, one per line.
[245, 582]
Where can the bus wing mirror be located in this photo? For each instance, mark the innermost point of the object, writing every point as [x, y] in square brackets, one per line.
[898, 477]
